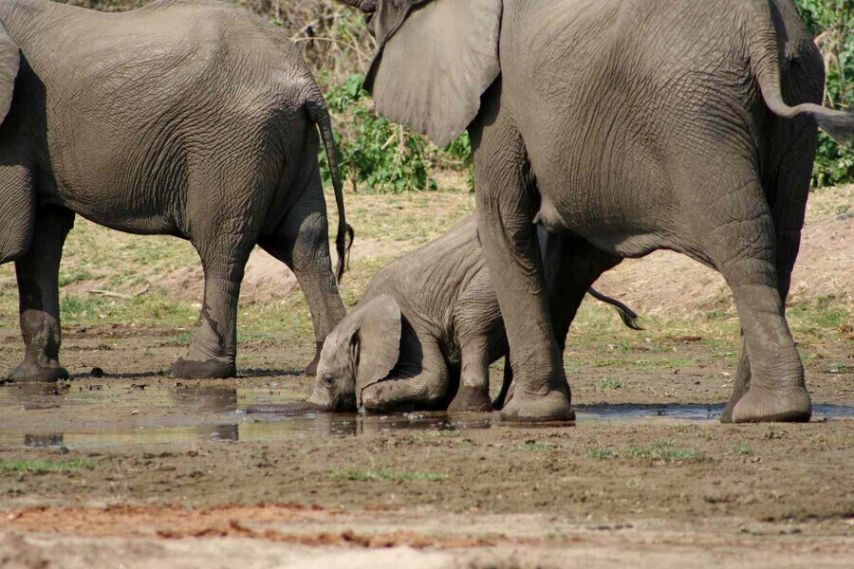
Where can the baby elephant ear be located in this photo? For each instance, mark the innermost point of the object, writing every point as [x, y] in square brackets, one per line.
[378, 332]
[10, 60]
[436, 59]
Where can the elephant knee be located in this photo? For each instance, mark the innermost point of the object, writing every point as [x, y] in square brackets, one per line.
[310, 245]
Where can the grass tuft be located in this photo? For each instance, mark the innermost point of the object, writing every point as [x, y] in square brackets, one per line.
[663, 450]
[600, 453]
[533, 446]
[387, 475]
[44, 467]
[610, 383]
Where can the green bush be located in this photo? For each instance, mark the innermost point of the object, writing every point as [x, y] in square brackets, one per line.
[337, 46]
[832, 24]
[381, 157]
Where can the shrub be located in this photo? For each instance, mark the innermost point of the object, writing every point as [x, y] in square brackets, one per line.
[832, 24]
[382, 157]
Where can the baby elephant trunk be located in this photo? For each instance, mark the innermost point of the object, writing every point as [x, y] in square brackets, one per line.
[294, 409]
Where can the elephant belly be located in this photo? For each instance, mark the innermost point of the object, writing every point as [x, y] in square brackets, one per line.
[129, 205]
[606, 114]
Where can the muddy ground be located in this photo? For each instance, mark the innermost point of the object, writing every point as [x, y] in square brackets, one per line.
[127, 467]
[174, 473]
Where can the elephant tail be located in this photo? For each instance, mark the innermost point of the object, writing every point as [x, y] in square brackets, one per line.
[765, 64]
[627, 315]
[319, 113]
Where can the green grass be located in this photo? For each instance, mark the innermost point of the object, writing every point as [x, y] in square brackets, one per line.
[743, 448]
[143, 310]
[44, 467]
[387, 475]
[532, 446]
[663, 450]
[127, 264]
[610, 383]
[432, 436]
[600, 453]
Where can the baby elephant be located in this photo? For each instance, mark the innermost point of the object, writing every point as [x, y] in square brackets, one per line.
[190, 118]
[429, 326]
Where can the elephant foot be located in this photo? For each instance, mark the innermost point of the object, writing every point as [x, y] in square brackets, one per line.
[471, 400]
[210, 369]
[527, 407]
[761, 405]
[311, 369]
[33, 373]
[726, 414]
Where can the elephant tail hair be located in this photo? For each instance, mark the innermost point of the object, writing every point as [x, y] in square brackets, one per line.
[765, 63]
[319, 113]
[627, 315]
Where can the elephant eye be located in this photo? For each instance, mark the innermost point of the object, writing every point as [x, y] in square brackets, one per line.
[326, 378]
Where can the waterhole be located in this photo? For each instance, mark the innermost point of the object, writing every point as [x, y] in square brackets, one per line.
[85, 416]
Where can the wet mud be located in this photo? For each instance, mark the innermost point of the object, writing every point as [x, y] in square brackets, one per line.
[154, 467]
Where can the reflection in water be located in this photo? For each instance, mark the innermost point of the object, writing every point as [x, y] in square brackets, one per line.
[222, 433]
[628, 411]
[103, 414]
[205, 398]
[43, 441]
[38, 390]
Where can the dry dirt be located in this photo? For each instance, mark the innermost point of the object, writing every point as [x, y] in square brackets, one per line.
[266, 279]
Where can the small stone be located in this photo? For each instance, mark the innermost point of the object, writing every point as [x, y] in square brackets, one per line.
[97, 372]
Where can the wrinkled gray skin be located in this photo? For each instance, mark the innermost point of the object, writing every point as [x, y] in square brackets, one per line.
[635, 125]
[186, 118]
[429, 326]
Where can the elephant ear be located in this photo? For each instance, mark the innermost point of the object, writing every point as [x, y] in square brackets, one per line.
[10, 61]
[436, 59]
[378, 330]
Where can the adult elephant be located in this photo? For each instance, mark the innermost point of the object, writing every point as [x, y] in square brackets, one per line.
[635, 125]
[188, 118]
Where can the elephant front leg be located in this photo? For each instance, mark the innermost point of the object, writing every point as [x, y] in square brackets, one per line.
[505, 198]
[38, 287]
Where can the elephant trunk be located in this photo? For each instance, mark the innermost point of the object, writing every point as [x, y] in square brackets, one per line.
[288, 409]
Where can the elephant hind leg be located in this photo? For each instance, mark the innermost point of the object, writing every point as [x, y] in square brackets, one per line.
[787, 202]
[224, 238]
[302, 243]
[213, 352]
[473, 392]
[744, 246]
[38, 288]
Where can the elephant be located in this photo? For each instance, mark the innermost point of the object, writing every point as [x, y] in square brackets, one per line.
[189, 118]
[428, 327]
[634, 125]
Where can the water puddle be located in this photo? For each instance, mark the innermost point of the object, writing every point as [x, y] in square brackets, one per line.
[86, 416]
